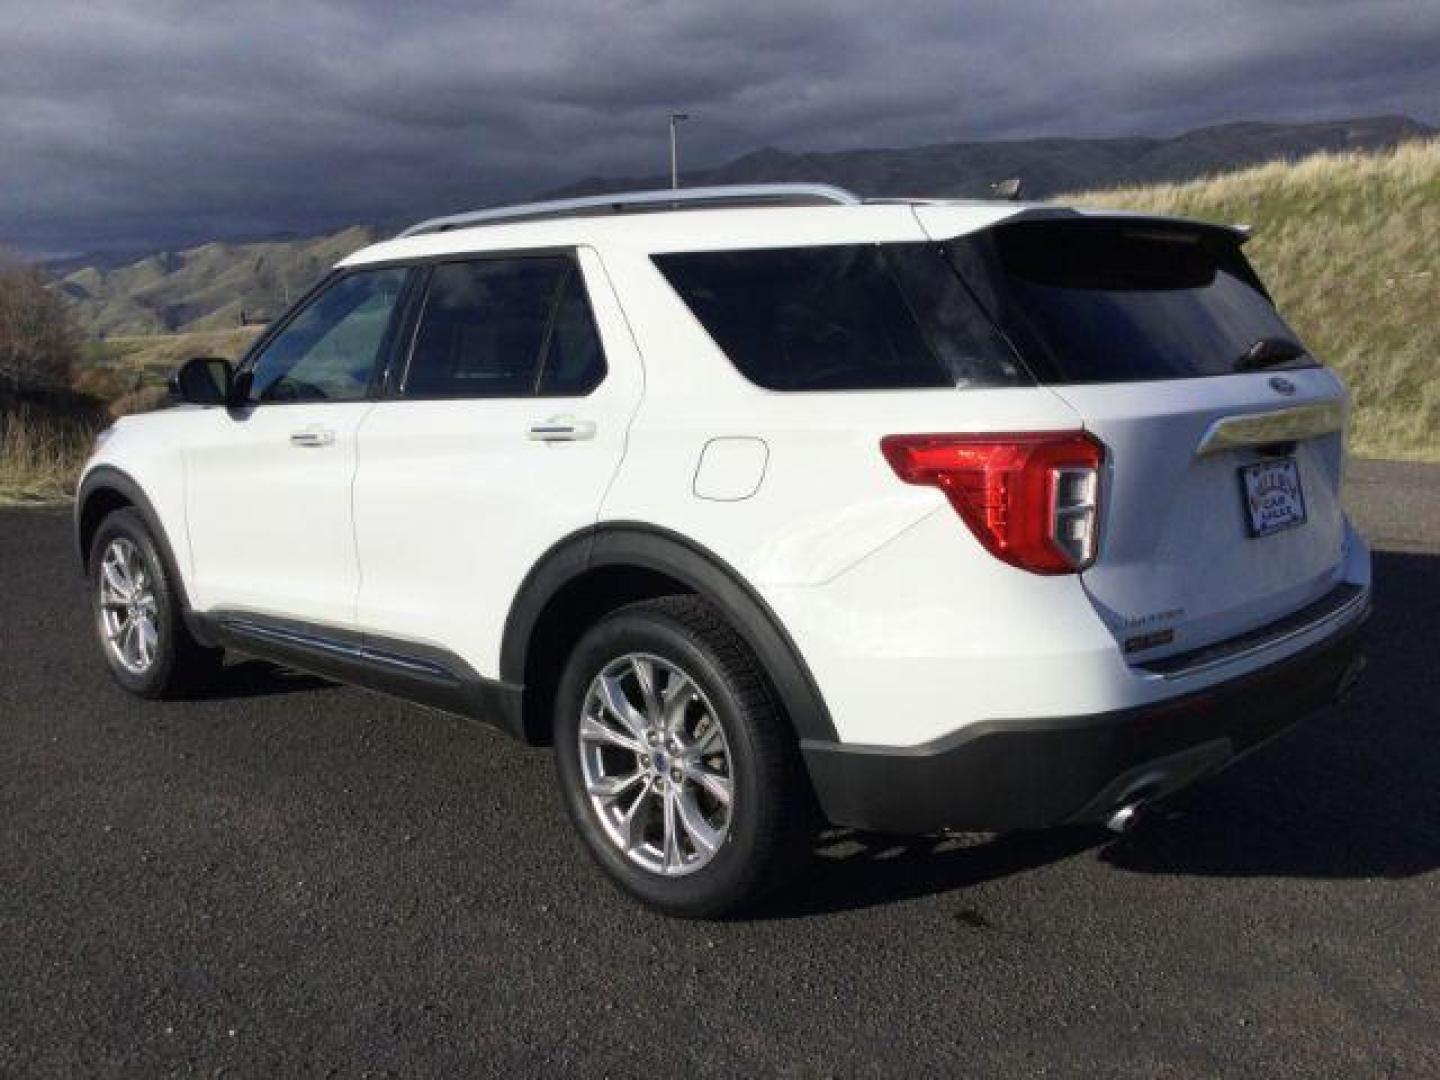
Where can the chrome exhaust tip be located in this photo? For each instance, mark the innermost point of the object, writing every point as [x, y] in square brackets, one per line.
[1124, 818]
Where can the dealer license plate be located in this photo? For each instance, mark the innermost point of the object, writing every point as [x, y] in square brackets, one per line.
[1273, 499]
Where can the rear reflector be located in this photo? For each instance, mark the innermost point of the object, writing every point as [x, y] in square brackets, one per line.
[1032, 498]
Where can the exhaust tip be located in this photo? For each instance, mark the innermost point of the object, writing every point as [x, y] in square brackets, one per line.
[1123, 819]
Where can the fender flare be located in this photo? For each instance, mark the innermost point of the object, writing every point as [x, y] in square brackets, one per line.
[109, 478]
[650, 547]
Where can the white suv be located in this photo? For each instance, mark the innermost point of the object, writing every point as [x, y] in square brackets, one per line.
[763, 506]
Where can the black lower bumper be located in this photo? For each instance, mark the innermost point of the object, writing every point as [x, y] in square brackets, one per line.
[1016, 774]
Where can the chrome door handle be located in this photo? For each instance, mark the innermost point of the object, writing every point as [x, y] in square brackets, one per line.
[562, 429]
[312, 437]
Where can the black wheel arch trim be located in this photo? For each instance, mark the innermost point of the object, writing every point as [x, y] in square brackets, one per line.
[651, 547]
[109, 478]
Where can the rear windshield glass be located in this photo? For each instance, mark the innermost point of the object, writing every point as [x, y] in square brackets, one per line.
[1114, 301]
[848, 317]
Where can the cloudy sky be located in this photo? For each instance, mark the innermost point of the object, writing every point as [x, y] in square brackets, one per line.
[138, 124]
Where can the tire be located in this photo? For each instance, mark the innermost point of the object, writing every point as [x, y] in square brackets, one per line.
[158, 658]
[725, 857]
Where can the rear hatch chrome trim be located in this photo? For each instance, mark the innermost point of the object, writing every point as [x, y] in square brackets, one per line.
[1341, 604]
[1274, 426]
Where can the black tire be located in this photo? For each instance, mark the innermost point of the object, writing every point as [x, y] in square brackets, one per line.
[772, 818]
[180, 664]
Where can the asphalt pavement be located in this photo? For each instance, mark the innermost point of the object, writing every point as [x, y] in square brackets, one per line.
[293, 878]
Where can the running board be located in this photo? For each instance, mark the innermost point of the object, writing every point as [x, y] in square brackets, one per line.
[411, 671]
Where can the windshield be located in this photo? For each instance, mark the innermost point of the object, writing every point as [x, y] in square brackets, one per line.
[1118, 300]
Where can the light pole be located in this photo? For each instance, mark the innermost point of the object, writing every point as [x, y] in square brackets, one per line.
[675, 119]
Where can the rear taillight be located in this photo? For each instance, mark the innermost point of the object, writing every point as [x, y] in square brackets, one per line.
[1031, 498]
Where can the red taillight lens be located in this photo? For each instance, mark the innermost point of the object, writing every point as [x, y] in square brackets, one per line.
[1031, 498]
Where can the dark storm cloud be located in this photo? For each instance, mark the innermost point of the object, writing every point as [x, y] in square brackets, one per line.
[129, 123]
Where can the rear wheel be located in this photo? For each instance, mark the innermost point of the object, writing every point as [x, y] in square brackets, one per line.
[138, 615]
[677, 768]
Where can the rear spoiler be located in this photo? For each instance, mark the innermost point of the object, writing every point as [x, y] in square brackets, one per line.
[1235, 234]
[950, 219]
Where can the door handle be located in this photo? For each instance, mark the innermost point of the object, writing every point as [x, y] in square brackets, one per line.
[562, 429]
[312, 437]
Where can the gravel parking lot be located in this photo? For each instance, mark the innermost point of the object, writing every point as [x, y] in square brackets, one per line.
[292, 877]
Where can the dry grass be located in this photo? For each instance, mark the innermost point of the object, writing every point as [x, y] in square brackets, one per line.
[42, 449]
[1350, 247]
[143, 399]
[155, 357]
[41, 454]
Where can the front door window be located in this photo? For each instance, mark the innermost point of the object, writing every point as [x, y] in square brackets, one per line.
[329, 350]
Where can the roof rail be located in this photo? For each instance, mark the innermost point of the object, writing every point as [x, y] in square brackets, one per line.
[642, 201]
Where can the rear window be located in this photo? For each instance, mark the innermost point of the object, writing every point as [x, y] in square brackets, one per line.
[848, 317]
[1117, 301]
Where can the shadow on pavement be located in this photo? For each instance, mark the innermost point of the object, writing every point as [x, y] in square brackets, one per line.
[1352, 793]
[258, 678]
[851, 870]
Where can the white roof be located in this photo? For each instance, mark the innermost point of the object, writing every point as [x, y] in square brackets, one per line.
[716, 219]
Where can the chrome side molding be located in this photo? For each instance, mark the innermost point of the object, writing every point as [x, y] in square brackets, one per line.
[1273, 426]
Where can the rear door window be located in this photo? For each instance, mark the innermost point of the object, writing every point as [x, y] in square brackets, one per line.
[1118, 301]
[504, 327]
[574, 362]
[847, 317]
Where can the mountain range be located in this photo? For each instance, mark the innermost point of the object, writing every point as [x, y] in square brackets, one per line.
[218, 284]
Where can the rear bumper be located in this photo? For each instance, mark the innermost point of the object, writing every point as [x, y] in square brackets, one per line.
[1014, 774]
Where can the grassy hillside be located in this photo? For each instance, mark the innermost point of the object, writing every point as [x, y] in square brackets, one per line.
[1349, 245]
[44, 439]
[204, 288]
[208, 287]
[1047, 165]
[154, 357]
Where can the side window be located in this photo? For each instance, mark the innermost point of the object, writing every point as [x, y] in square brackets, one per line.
[483, 327]
[851, 317]
[329, 350]
[574, 361]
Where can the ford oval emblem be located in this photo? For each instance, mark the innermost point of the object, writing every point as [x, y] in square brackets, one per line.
[1282, 385]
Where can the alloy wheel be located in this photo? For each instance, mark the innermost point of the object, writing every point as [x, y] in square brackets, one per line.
[129, 614]
[656, 764]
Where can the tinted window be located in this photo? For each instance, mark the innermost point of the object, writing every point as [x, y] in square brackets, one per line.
[574, 362]
[486, 326]
[329, 350]
[1107, 301]
[856, 317]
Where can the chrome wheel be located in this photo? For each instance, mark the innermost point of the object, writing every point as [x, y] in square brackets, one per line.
[656, 765]
[129, 615]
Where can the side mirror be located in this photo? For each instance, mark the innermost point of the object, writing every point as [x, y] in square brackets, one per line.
[204, 380]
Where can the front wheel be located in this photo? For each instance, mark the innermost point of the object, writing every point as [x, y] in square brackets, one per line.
[138, 614]
[675, 764]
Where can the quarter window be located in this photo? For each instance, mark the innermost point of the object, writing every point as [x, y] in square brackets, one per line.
[845, 317]
[329, 350]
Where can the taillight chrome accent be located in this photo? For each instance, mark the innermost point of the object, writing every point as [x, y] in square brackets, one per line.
[1073, 511]
[1031, 498]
